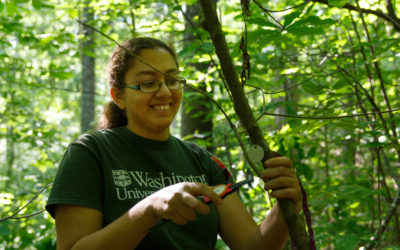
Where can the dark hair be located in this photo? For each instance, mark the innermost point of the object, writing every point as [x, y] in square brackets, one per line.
[121, 61]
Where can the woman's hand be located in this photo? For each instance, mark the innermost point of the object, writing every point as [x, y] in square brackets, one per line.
[179, 202]
[280, 177]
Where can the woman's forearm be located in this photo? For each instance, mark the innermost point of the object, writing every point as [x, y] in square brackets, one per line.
[272, 233]
[124, 233]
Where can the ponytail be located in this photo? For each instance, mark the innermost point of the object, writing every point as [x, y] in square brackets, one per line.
[112, 117]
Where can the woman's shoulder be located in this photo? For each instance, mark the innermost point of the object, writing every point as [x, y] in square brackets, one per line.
[96, 136]
[192, 147]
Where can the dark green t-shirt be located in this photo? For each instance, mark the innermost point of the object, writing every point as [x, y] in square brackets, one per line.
[111, 170]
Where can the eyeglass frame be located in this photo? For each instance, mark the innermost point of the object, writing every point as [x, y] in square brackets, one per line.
[182, 83]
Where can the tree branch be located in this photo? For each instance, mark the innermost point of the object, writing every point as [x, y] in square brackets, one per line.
[330, 117]
[293, 7]
[392, 19]
[233, 127]
[390, 9]
[14, 215]
[293, 220]
[382, 228]
[379, 75]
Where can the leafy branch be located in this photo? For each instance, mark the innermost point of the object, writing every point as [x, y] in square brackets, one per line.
[211, 23]
[390, 17]
[330, 117]
[290, 8]
[14, 215]
[389, 214]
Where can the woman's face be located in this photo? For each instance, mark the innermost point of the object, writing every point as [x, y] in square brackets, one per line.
[151, 114]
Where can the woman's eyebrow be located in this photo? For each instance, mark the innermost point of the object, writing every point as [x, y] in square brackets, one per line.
[152, 72]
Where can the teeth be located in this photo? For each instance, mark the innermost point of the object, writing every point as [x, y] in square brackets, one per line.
[161, 107]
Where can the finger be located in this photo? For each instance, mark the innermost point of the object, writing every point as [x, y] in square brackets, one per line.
[278, 161]
[196, 204]
[281, 182]
[186, 212]
[275, 172]
[177, 211]
[199, 189]
[289, 193]
[177, 218]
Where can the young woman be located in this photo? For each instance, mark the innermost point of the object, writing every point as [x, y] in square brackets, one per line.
[116, 184]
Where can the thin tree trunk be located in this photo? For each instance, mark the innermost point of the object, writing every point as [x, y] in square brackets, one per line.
[293, 220]
[10, 156]
[88, 71]
[385, 223]
[379, 153]
[326, 155]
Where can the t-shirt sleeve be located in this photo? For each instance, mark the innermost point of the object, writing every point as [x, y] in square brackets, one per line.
[216, 170]
[79, 180]
[219, 173]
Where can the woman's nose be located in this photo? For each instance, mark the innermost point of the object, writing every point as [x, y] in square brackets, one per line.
[164, 90]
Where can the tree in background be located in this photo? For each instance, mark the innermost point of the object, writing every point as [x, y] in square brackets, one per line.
[196, 113]
[88, 69]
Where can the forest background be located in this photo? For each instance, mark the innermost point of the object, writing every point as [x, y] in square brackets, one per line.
[322, 78]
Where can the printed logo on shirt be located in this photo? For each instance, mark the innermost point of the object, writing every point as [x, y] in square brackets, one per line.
[121, 178]
[142, 184]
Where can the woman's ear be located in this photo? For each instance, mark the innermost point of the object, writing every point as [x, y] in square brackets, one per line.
[118, 97]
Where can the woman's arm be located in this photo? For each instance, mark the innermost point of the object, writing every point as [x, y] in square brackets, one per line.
[239, 230]
[81, 227]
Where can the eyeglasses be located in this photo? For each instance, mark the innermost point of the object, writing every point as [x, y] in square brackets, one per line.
[154, 86]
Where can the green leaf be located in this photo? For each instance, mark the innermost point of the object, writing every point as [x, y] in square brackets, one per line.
[190, 2]
[306, 171]
[37, 4]
[347, 123]
[374, 144]
[262, 22]
[301, 31]
[288, 19]
[20, 1]
[314, 21]
[313, 88]
[337, 3]
[207, 47]
[46, 40]
[347, 241]
[340, 84]
[62, 74]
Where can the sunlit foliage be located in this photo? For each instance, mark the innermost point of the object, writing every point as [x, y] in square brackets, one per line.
[324, 69]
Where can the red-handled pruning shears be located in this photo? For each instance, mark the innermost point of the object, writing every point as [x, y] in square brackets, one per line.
[225, 189]
[222, 190]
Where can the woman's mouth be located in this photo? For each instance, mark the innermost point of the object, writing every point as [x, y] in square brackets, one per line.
[161, 107]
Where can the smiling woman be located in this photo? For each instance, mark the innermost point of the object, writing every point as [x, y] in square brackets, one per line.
[122, 61]
[116, 184]
[150, 114]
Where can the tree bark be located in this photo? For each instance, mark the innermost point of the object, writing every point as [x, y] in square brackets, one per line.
[88, 71]
[293, 220]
